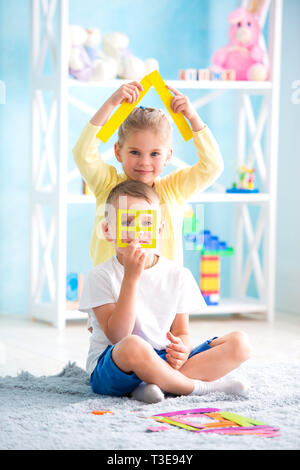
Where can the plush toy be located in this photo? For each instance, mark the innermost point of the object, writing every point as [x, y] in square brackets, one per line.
[92, 43]
[243, 54]
[104, 68]
[89, 61]
[80, 66]
[130, 67]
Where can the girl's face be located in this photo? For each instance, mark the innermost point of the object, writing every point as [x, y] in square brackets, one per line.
[143, 155]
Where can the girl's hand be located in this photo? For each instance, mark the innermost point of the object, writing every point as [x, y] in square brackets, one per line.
[181, 104]
[177, 351]
[134, 258]
[128, 92]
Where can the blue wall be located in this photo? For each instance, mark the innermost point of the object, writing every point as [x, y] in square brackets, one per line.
[288, 219]
[177, 34]
[14, 156]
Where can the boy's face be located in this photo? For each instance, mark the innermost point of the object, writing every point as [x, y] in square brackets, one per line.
[131, 219]
[143, 155]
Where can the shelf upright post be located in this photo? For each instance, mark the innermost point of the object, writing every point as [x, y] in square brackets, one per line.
[49, 150]
[275, 34]
[62, 163]
[237, 262]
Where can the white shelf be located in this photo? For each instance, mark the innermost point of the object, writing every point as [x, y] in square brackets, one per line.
[184, 84]
[202, 197]
[81, 199]
[75, 315]
[226, 306]
[231, 306]
[229, 197]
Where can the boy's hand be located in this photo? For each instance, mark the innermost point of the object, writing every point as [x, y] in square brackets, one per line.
[128, 92]
[134, 260]
[177, 351]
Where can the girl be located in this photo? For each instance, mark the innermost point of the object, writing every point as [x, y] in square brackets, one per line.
[144, 148]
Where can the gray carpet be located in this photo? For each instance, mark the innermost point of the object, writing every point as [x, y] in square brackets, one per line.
[55, 413]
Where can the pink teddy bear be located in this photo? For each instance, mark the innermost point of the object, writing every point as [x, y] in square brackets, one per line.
[243, 53]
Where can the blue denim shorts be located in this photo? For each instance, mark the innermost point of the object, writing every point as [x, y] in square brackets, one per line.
[108, 379]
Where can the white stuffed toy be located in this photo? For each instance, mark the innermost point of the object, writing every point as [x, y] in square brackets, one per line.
[104, 67]
[116, 45]
[88, 62]
[92, 43]
[80, 66]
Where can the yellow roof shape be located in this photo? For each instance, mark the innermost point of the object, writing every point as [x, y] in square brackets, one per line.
[152, 79]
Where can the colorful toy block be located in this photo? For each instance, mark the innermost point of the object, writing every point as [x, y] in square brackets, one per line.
[210, 282]
[211, 248]
[188, 74]
[228, 75]
[207, 74]
[216, 75]
[203, 74]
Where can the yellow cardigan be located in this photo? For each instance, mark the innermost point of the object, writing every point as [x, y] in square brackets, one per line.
[173, 190]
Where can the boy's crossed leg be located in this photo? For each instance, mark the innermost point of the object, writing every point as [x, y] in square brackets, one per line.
[197, 376]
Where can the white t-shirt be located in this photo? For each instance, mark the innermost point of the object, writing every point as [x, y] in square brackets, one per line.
[164, 290]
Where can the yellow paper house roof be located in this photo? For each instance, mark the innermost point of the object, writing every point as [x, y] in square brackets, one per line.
[152, 79]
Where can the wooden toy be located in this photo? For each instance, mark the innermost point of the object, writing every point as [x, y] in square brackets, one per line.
[203, 74]
[221, 422]
[207, 74]
[216, 75]
[188, 74]
[228, 75]
[152, 79]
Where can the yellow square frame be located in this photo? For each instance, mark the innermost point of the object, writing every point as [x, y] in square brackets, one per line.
[136, 228]
[152, 79]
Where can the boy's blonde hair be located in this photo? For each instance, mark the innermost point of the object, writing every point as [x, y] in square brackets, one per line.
[143, 119]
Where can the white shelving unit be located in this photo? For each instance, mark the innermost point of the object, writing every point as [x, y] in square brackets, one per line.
[51, 94]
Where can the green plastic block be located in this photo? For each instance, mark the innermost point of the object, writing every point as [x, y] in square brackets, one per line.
[227, 252]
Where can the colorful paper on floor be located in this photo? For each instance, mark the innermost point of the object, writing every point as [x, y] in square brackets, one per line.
[203, 420]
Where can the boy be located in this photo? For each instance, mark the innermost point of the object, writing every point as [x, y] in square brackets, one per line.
[139, 303]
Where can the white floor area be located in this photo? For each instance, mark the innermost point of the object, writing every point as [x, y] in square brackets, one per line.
[43, 350]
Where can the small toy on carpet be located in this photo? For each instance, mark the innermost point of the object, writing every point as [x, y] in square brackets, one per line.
[101, 412]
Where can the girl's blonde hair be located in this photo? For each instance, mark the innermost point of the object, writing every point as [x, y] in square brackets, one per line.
[141, 119]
